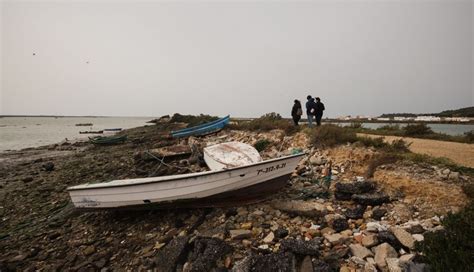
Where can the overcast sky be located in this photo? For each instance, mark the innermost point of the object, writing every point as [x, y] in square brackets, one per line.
[240, 58]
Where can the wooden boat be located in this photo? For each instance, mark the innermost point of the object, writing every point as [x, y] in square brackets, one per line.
[230, 155]
[100, 140]
[84, 124]
[202, 129]
[91, 132]
[204, 189]
[112, 129]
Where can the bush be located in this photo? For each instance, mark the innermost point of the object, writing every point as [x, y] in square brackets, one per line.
[373, 142]
[331, 135]
[389, 128]
[417, 130]
[192, 120]
[260, 145]
[268, 122]
[469, 136]
[453, 248]
[356, 125]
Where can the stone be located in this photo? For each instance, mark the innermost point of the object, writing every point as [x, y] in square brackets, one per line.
[344, 269]
[88, 250]
[335, 239]
[27, 179]
[303, 208]
[269, 238]
[374, 199]
[246, 243]
[281, 262]
[418, 237]
[173, 253]
[49, 166]
[306, 265]
[393, 265]
[378, 213]
[327, 230]
[281, 233]
[415, 229]
[454, 176]
[370, 240]
[355, 213]
[301, 247]
[344, 191]
[407, 257]
[388, 237]
[340, 224]
[358, 261]
[404, 237]
[321, 266]
[242, 265]
[239, 234]
[206, 252]
[375, 227]
[382, 252]
[346, 233]
[246, 226]
[360, 251]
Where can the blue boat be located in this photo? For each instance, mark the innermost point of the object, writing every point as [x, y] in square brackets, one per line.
[202, 129]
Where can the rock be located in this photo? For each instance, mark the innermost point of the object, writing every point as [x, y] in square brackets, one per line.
[173, 253]
[301, 247]
[206, 252]
[335, 239]
[356, 213]
[306, 265]
[360, 251]
[393, 265]
[415, 229]
[418, 237]
[378, 213]
[382, 252]
[49, 166]
[407, 257]
[242, 265]
[246, 243]
[27, 179]
[403, 237]
[346, 233]
[327, 230]
[274, 262]
[240, 234]
[269, 238]
[246, 226]
[375, 227]
[344, 269]
[317, 160]
[304, 208]
[263, 247]
[340, 224]
[344, 191]
[388, 237]
[454, 176]
[88, 250]
[321, 266]
[374, 199]
[370, 240]
[281, 233]
[358, 261]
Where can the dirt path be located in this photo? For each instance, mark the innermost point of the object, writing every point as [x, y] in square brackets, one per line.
[460, 153]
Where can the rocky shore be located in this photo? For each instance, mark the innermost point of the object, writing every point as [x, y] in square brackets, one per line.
[346, 221]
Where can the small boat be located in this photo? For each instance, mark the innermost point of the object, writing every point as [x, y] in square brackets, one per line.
[100, 140]
[230, 155]
[112, 129]
[205, 189]
[91, 132]
[203, 129]
[84, 125]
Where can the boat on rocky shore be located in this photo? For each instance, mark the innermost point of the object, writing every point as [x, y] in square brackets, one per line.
[203, 129]
[107, 140]
[91, 132]
[203, 189]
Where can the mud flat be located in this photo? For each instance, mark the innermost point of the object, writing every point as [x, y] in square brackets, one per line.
[346, 224]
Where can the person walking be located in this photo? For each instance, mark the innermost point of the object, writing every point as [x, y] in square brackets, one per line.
[296, 112]
[318, 111]
[310, 108]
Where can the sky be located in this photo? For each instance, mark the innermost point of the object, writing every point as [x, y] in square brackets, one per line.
[246, 58]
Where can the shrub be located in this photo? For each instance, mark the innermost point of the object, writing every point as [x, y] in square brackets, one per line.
[331, 135]
[469, 136]
[451, 249]
[374, 142]
[356, 125]
[260, 145]
[268, 122]
[389, 127]
[417, 130]
[192, 120]
[399, 146]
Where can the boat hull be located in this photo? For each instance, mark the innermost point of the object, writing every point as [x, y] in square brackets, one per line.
[203, 129]
[212, 188]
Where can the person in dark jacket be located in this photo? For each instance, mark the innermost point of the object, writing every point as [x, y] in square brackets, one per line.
[296, 112]
[310, 108]
[318, 111]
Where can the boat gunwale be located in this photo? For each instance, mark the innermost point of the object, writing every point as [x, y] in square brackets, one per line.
[182, 177]
[217, 121]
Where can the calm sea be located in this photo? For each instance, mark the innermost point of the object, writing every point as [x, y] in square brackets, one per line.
[22, 132]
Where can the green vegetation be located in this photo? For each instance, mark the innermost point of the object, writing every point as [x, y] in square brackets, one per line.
[413, 130]
[192, 120]
[331, 135]
[262, 144]
[267, 122]
[452, 249]
[463, 112]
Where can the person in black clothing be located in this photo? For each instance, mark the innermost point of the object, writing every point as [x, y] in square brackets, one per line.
[310, 108]
[296, 112]
[318, 112]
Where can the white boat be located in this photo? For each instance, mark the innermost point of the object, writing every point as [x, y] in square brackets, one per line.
[230, 155]
[210, 188]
